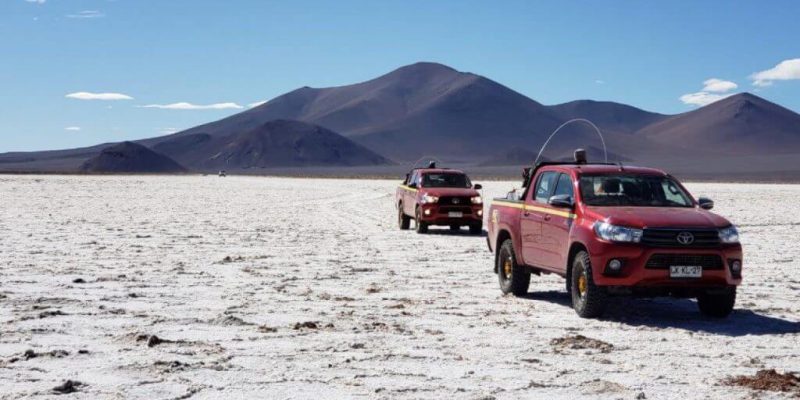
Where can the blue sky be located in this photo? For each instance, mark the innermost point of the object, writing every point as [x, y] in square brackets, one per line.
[211, 53]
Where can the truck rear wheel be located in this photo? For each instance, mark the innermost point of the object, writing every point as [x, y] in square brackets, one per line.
[421, 226]
[513, 277]
[718, 305]
[403, 220]
[588, 299]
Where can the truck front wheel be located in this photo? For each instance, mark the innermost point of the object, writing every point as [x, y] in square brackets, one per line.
[513, 277]
[588, 299]
[476, 228]
[718, 305]
[403, 220]
[421, 226]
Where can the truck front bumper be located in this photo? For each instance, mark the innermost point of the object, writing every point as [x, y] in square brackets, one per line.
[650, 267]
[435, 214]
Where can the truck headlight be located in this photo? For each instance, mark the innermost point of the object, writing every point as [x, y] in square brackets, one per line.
[614, 233]
[426, 199]
[729, 235]
[477, 200]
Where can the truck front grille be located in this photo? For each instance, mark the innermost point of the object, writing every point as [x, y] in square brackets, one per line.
[454, 201]
[664, 261]
[663, 237]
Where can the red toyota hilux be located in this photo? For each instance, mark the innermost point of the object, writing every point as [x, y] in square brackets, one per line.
[611, 230]
[439, 196]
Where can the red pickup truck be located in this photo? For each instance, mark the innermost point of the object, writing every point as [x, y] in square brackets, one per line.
[612, 230]
[439, 196]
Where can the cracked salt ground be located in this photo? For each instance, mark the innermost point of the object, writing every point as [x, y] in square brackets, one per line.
[200, 287]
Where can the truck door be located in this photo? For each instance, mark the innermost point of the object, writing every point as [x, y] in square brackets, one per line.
[531, 220]
[556, 226]
[410, 196]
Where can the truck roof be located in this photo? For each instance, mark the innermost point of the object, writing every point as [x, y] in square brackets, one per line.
[438, 170]
[603, 168]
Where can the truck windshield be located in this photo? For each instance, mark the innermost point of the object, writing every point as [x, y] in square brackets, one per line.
[632, 191]
[446, 180]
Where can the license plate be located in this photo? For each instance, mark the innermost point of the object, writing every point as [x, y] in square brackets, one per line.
[455, 214]
[685, 271]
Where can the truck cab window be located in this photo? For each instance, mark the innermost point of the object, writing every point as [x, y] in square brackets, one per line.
[564, 186]
[544, 186]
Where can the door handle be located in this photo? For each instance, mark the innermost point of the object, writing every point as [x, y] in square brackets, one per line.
[547, 217]
[526, 213]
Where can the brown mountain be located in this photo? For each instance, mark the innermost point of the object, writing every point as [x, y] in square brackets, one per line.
[743, 124]
[433, 110]
[128, 157]
[277, 143]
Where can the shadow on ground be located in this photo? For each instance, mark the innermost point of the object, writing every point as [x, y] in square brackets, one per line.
[460, 232]
[681, 314]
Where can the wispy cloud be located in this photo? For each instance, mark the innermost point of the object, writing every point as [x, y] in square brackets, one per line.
[599, 81]
[98, 96]
[73, 128]
[256, 104]
[87, 14]
[784, 71]
[36, 1]
[718, 85]
[190, 106]
[714, 89]
[167, 131]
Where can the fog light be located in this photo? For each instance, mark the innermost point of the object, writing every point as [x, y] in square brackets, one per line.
[428, 212]
[613, 267]
[736, 268]
[480, 213]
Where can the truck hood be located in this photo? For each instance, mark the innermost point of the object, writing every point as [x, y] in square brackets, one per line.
[657, 217]
[449, 191]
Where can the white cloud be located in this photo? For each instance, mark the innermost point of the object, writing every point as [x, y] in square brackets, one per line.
[98, 96]
[718, 85]
[87, 14]
[256, 104]
[784, 71]
[36, 1]
[167, 131]
[190, 106]
[72, 128]
[600, 82]
[713, 90]
[702, 98]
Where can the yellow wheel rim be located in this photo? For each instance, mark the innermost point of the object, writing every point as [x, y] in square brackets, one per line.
[507, 268]
[582, 285]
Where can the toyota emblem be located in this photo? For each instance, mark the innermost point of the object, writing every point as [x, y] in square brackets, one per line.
[456, 201]
[685, 238]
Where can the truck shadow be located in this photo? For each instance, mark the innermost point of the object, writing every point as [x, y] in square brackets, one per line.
[448, 232]
[680, 314]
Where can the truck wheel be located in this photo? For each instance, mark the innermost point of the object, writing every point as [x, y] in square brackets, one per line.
[513, 277]
[476, 229]
[588, 300]
[718, 305]
[421, 226]
[403, 220]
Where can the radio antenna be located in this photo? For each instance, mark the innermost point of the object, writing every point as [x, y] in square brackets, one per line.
[586, 121]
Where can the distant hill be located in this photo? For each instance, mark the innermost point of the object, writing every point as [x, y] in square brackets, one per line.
[128, 157]
[743, 124]
[429, 109]
[277, 143]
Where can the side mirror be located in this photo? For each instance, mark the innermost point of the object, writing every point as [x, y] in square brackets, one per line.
[705, 203]
[412, 185]
[561, 201]
[478, 186]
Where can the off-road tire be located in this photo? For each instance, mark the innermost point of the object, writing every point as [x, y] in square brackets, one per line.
[717, 305]
[420, 226]
[591, 302]
[455, 228]
[476, 229]
[517, 279]
[403, 220]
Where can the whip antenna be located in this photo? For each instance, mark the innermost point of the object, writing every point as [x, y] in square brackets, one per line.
[596, 129]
